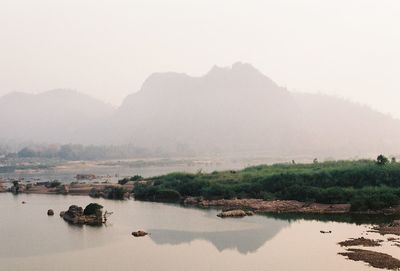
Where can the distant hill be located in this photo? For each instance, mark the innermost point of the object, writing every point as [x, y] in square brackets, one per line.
[54, 116]
[235, 110]
[239, 110]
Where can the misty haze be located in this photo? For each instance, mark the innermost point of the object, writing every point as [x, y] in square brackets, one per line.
[208, 135]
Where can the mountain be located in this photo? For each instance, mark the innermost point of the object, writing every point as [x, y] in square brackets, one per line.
[55, 116]
[235, 111]
[239, 110]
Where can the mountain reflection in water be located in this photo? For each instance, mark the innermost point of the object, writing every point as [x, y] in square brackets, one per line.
[244, 241]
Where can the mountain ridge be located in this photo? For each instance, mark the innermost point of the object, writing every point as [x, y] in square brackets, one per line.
[229, 110]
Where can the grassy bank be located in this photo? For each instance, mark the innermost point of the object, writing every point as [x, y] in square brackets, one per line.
[365, 184]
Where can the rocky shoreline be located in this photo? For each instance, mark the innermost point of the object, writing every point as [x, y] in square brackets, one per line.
[105, 190]
[374, 258]
[271, 206]
[281, 206]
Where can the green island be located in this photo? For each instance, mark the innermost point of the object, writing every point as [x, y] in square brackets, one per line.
[362, 184]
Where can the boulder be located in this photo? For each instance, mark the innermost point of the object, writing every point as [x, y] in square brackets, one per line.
[50, 212]
[139, 233]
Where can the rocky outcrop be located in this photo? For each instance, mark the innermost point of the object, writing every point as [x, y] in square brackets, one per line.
[391, 228]
[361, 242]
[75, 216]
[373, 258]
[235, 213]
[272, 206]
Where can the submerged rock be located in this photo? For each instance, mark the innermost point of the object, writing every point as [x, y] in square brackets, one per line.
[373, 258]
[361, 242]
[391, 228]
[139, 233]
[50, 212]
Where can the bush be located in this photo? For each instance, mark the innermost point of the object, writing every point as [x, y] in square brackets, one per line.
[92, 208]
[115, 193]
[123, 181]
[167, 195]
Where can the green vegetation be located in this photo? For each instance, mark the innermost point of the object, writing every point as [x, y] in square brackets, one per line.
[92, 208]
[115, 193]
[366, 184]
[382, 160]
[110, 192]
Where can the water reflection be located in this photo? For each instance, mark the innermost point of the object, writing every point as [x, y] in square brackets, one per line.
[244, 241]
[357, 219]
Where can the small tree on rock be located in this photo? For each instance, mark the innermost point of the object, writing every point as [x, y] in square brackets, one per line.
[92, 208]
[382, 160]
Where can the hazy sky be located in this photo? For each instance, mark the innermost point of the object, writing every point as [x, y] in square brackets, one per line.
[349, 48]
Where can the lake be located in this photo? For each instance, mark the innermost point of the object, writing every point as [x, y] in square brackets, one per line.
[181, 239]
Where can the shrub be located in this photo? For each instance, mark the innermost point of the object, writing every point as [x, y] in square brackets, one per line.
[115, 193]
[167, 195]
[123, 181]
[92, 208]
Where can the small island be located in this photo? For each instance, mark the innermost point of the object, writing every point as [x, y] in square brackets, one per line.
[91, 215]
[333, 187]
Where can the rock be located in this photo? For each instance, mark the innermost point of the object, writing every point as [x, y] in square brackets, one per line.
[24, 202]
[50, 212]
[325, 232]
[191, 201]
[250, 213]
[62, 213]
[75, 215]
[232, 213]
[139, 233]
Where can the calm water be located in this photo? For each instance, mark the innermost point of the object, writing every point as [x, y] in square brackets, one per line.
[181, 239]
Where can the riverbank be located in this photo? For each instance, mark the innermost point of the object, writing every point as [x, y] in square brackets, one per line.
[284, 206]
[363, 186]
[271, 206]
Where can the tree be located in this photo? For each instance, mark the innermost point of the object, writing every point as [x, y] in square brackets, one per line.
[382, 160]
[92, 208]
